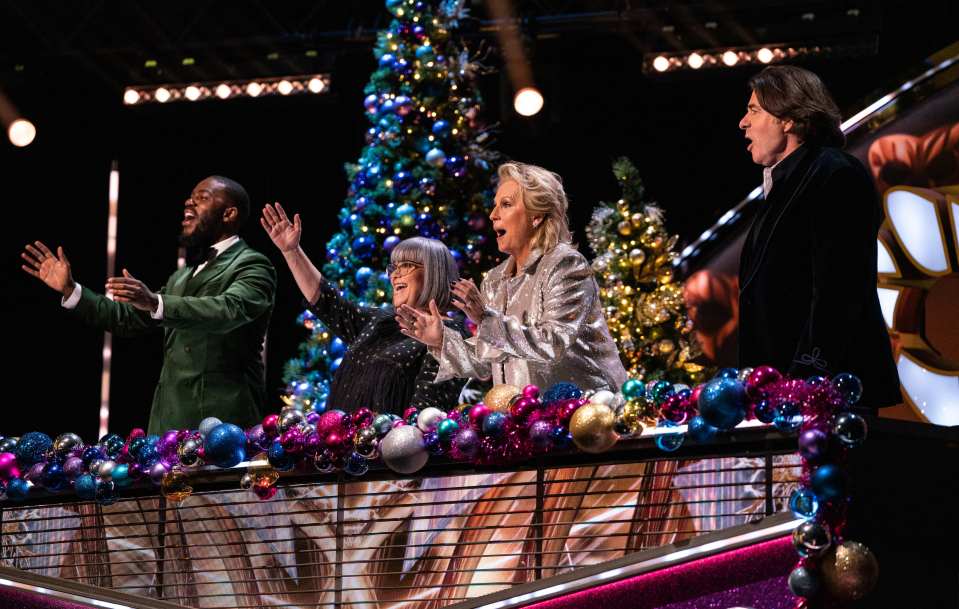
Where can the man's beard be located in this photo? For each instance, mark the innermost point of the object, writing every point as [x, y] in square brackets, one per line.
[200, 240]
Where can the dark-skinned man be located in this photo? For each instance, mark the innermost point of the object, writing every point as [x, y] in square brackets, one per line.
[214, 312]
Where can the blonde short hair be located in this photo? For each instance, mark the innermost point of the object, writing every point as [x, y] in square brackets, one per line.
[543, 195]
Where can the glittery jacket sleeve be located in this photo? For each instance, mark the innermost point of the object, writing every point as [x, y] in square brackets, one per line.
[344, 319]
[567, 299]
[429, 390]
[457, 358]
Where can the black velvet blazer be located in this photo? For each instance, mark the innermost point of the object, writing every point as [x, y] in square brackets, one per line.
[807, 275]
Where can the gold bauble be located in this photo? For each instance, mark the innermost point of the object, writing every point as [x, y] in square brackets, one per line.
[665, 346]
[624, 228]
[637, 220]
[175, 486]
[665, 276]
[849, 571]
[637, 257]
[499, 398]
[592, 428]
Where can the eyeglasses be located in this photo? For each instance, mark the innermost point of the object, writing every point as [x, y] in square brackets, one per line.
[402, 269]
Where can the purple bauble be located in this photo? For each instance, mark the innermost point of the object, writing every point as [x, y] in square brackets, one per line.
[312, 417]
[813, 444]
[257, 438]
[73, 467]
[35, 472]
[157, 471]
[168, 444]
[539, 434]
[465, 444]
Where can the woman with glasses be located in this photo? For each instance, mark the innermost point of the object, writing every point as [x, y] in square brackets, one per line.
[382, 369]
[538, 314]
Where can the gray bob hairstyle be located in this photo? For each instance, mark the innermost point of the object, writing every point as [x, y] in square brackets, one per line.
[439, 269]
[543, 195]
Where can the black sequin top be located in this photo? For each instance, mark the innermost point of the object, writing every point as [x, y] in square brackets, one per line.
[383, 369]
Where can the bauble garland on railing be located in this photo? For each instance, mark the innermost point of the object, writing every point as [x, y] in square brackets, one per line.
[511, 425]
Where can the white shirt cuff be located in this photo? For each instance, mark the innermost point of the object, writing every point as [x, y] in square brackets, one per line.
[158, 314]
[70, 302]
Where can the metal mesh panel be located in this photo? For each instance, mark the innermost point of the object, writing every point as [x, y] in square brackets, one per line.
[411, 543]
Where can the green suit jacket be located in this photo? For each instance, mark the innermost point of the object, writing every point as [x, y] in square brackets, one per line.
[214, 327]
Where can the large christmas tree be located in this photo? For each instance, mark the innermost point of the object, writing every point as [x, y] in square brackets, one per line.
[642, 299]
[424, 171]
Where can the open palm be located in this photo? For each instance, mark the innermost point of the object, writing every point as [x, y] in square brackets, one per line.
[284, 234]
[52, 269]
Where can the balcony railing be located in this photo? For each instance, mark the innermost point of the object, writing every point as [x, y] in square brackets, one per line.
[447, 535]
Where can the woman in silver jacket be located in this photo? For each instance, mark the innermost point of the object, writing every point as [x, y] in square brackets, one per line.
[538, 314]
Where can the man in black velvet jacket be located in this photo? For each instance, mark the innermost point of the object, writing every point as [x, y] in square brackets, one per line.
[808, 304]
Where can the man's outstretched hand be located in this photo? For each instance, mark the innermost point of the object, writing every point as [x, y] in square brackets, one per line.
[52, 269]
[133, 291]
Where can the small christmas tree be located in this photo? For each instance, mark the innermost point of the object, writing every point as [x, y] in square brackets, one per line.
[641, 297]
[424, 171]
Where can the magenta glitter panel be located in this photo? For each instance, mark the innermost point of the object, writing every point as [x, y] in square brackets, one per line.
[754, 576]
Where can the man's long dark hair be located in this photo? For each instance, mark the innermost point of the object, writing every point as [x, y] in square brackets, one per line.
[791, 93]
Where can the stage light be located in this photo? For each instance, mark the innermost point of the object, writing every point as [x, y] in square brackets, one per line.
[661, 64]
[730, 58]
[253, 89]
[260, 87]
[192, 93]
[223, 91]
[284, 88]
[764, 55]
[316, 85]
[528, 101]
[21, 132]
[130, 97]
[162, 95]
[695, 61]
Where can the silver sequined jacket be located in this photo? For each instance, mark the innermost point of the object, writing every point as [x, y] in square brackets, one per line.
[542, 326]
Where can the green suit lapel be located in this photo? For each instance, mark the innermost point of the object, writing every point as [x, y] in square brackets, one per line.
[214, 269]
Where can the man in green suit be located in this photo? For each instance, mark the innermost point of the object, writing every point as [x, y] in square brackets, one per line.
[214, 312]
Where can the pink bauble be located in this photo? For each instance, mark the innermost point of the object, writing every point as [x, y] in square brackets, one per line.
[8, 466]
[270, 422]
[330, 421]
[477, 414]
[531, 391]
[760, 379]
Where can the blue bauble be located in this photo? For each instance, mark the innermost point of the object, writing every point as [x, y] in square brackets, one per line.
[441, 127]
[53, 477]
[432, 443]
[18, 489]
[335, 364]
[92, 452]
[363, 246]
[369, 102]
[404, 210]
[390, 242]
[561, 391]
[827, 482]
[424, 52]
[148, 455]
[804, 503]
[436, 157]
[279, 458]
[494, 424]
[112, 444]
[121, 475]
[106, 492]
[633, 388]
[728, 373]
[225, 445]
[356, 465]
[788, 417]
[804, 582]
[850, 428]
[722, 403]
[136, 446]
[85, 487]
[661, 390]
[9, 445]
[560, 437]
[363, 275]
[386, 61]
[31, 448]
[701, 431]
[669, 442]
[337, 347]
[765, 411]
[382, 423]
[849, 386]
